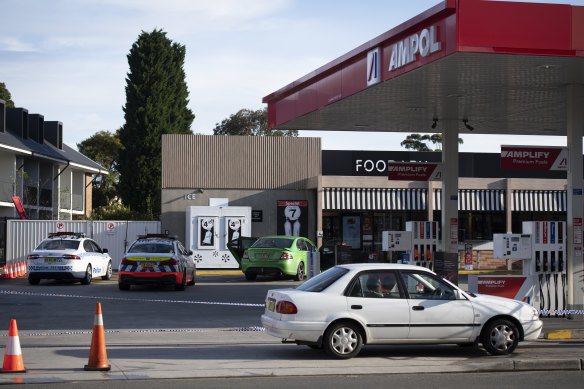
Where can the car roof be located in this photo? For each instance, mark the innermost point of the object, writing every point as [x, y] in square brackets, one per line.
[377, 266]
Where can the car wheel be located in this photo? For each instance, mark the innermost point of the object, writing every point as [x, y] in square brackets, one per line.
[34, 280]
[124, 286]
[183, 284]
[300, 272]
[108, 272]
[343, 340]
[500, 337]
[87, 279]
[250, 276]
[192, 282]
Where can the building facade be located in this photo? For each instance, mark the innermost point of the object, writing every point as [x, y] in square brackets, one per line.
[346, 194]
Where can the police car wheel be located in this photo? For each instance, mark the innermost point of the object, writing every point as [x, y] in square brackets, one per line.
[192, 282]
[87, 279]
[108, 272]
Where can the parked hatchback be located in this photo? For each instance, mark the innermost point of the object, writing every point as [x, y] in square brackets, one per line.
[277, 255]
[348, 306]
[68, 256]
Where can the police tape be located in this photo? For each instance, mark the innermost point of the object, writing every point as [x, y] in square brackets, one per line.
[547, 312]
[12, 292]
[134, 331]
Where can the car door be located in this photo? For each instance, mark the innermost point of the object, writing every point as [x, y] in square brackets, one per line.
[377, 298]
[301, 250]
[435, 311]
[99, 260]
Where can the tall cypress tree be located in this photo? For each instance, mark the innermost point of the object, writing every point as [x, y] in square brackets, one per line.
[156, 104]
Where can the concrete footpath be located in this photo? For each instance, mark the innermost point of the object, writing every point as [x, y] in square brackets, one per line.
[58, 356]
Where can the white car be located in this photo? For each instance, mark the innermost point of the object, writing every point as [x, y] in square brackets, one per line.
[348, 306]
[68, 256]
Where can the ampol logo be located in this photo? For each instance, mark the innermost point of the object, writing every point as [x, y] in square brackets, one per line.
[373, 67]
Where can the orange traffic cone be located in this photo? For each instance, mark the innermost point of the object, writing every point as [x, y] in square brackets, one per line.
[13, 358]
[97, 353]
[19, 269]
[5, 272]
[24, 268]
[11, 272]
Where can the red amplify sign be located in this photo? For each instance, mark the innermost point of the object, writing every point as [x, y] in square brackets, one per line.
[534, 158]
[413, 171]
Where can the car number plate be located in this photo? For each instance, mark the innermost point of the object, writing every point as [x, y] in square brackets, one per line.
[271, 304]
[264, 256]
[50, 260]
[148, 264]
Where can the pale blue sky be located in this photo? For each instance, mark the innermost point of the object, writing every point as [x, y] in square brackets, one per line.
[66, 59]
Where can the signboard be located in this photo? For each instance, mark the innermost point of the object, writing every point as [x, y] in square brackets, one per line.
[257, 216]
[293, 217]
[534, 158]
[468, 256]
[414, 171]
[19, 207]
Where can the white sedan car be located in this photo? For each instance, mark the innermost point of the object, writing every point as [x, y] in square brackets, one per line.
[348, 306]
[68, 256]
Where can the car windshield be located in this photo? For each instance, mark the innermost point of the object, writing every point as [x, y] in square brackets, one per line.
[323, 280]
[58, 244]
[151, 247]
[281, 243]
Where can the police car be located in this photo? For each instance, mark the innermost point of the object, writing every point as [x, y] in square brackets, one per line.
[157, 259]
[68, 256]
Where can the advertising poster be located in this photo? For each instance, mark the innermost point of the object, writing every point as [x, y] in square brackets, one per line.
[352, 231]
[293, 217]
[233, 226]
[206, 233]
[468, 256]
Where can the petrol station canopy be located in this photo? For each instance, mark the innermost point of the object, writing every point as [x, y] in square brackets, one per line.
[505, 65]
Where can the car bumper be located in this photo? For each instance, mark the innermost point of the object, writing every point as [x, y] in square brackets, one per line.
[130, 278]
[532, 329]
[56, 274]
[264, 267]
[293, 330]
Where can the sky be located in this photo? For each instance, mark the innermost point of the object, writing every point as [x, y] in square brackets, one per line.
[67, 59]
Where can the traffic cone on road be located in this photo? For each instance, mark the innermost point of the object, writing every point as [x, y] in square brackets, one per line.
[5, 272]
[97, 353]
[19, 269]
[11, 272]
[13, 358]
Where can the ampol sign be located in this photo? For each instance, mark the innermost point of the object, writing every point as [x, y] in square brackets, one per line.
[534, 158]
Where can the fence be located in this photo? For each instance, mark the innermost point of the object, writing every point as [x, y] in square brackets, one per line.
[22, 236]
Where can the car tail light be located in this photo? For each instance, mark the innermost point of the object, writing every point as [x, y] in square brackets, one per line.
[171, 261]
[286, 256]
[33, 256]
[126, 261]
[70, 256]
[286, 307]
[245, 256]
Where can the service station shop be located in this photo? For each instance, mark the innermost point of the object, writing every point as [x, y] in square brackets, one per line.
[461, 67]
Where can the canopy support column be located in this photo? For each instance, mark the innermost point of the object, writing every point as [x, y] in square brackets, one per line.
[575, 131]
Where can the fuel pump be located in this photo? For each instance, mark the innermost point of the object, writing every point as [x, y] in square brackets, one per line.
[548, 238]
[425, 238]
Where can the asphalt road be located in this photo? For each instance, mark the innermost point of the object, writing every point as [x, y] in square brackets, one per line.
[213, 330]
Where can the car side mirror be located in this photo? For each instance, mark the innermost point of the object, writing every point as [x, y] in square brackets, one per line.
[190, 252]
[104, 251]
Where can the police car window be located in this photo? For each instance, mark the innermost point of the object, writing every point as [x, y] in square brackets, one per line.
[151, 247]
[87, 246]
[58, 244]
[96, 247]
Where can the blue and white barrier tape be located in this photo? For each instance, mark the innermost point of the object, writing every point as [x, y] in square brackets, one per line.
[546, 312]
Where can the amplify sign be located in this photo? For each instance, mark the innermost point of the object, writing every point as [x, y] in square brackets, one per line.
[534, 158]
[410, 171]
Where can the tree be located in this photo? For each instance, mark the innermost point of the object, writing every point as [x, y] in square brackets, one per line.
[103, 147]
[5, 95]
[156, 104]
[249, 122]
[417, 142]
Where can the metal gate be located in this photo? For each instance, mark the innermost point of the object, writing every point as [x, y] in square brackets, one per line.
[22, 236]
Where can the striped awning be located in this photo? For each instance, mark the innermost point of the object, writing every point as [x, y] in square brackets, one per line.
[475, 199]
[539, 201]
[374, 199]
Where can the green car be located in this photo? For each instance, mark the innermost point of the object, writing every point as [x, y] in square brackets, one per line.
[272, 255]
